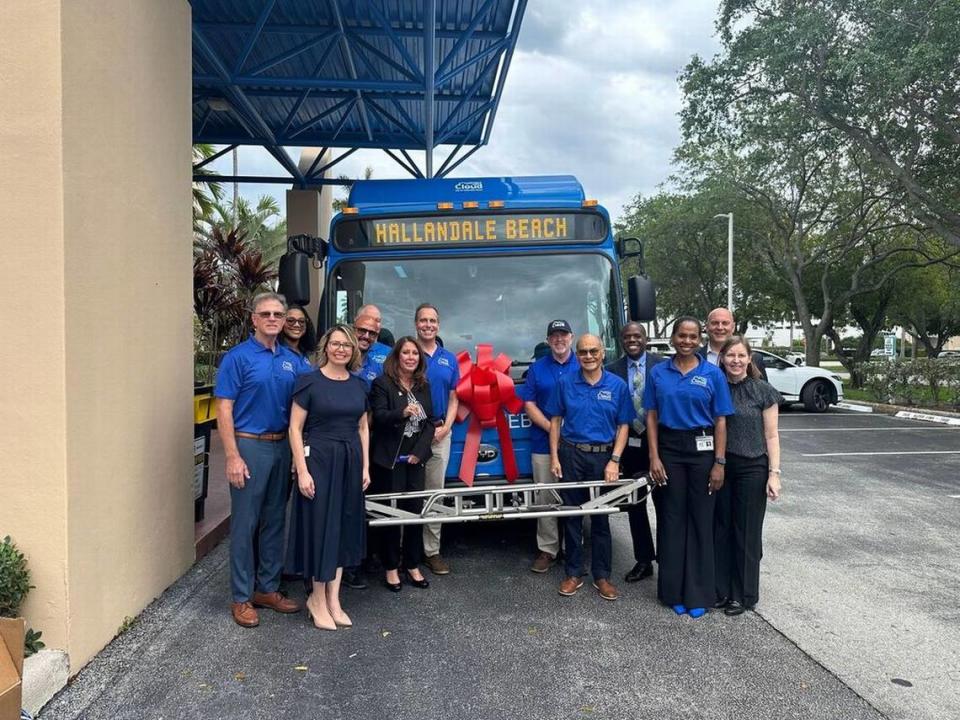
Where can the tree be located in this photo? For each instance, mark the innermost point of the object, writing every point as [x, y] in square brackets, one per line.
[259, 225]
[205, 195]
[927, 303]
[340, 203]
[884, 75]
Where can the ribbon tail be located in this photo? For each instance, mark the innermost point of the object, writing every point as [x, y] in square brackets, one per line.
[506, 446]
[471, 448]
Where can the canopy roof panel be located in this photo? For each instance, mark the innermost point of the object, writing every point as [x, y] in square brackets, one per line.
[350, 73]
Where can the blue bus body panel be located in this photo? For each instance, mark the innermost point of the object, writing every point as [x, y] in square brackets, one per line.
[402, 196]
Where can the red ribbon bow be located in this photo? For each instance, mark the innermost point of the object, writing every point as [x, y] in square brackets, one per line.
[484, 390]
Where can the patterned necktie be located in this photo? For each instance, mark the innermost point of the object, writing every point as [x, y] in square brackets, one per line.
[638, 381]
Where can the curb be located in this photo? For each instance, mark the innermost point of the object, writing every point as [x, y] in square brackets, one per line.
[45, 673]
[903, 411]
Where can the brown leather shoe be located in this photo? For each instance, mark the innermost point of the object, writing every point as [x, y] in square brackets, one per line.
[244, 615]
[437, 565]
[275, 601]
[606, 589]
[569, 586]
[543, 562]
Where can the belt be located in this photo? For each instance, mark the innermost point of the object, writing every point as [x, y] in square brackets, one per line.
[269, 437]
[588, 447]
[707, 430]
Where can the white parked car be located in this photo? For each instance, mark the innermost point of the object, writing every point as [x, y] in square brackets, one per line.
[815, 387]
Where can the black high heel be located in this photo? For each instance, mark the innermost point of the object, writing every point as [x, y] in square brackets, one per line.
[392, 587]
[422, 584]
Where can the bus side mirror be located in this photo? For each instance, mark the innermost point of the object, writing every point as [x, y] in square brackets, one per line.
[294, 275]
[294, 270]
[642, 299]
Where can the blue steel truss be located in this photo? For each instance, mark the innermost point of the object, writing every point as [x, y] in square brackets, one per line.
[396, 75]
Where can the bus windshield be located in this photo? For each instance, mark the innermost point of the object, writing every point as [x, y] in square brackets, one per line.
[504, 300]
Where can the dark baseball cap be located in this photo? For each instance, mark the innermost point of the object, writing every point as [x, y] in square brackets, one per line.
[558, 326]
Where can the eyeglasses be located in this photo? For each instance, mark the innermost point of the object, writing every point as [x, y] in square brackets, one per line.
[337, 345]
[267, 314]
[364, 331]
[592, 352]
[301, 322]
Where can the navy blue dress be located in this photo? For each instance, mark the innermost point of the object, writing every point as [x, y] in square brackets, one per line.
[327, 532]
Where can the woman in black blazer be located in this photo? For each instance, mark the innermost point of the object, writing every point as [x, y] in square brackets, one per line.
[402, 436]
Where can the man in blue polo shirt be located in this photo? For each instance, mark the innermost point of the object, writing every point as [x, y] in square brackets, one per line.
[443, 374]
[541, 379]
[591, 411]
[372, 353]
[253, 390]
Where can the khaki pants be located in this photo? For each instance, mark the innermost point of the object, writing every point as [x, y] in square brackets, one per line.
[548, 536]
[436, 470]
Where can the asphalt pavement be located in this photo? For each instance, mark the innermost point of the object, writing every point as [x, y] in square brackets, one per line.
[857, 619]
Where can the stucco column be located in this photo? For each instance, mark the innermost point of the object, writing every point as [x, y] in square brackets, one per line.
[309, 212]
[95, 132]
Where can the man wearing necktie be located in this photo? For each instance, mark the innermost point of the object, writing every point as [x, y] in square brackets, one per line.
[635, 368]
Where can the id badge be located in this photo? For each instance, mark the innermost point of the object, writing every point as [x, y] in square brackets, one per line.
[306, 451]
[634, 442]
[704, 443]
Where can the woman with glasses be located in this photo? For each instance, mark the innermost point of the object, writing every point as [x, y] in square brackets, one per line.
[753, 475]
[298, 333]
[402, 436]
[687, 401]
[330, 438]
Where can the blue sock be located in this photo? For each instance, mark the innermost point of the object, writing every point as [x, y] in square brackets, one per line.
[697, 612]
[680, 609]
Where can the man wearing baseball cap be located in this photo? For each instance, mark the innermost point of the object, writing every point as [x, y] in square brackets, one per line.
[541, 379]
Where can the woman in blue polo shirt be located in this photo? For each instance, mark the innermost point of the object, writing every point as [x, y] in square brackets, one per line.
[687, 401]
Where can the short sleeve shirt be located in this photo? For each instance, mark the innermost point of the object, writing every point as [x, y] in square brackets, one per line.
[334, 407]
[372, 366]
[687, 402]
[591, 413]
[260, 382]
[745, 436]
[443, 374]
[542, 378]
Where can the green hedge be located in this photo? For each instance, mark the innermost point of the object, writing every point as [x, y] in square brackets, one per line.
[924, 381]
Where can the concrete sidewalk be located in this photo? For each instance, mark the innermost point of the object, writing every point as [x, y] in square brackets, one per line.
[491, 640]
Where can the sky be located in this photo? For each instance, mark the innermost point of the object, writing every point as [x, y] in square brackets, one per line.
[591, 91]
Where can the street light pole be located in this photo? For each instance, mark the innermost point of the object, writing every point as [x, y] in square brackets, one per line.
[729, 217]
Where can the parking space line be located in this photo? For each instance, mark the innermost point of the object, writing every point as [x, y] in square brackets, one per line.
[886, 452]
[871, 429]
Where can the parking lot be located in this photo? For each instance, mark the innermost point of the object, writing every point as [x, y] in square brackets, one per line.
[858, 618]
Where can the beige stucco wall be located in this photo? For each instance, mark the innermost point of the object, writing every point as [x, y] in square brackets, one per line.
[101, 245]
[33, 502]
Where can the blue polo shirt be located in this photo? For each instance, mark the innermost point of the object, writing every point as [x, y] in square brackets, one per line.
[372, 366]
[542, 378]
[443, 374]
[591, 413]
[260, 383]
[687, 402]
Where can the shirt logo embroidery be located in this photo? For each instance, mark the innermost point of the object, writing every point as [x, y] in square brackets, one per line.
[378, 358]
[443, 361]
[604, 395]
[699, 380]
[287, 365]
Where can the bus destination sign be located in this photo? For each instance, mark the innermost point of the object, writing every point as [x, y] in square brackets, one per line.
[471, 229]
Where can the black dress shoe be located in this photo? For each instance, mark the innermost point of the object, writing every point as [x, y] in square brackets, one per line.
[353, 579]
[640, 571]
[721, 603]
[734, 608]
[392, 587]
[422, 584]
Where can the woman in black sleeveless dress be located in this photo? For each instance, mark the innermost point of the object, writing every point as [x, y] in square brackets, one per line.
[330, 440]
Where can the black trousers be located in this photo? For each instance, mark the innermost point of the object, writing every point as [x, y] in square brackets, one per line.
[399, 542]
[685, 522]
[738, 528]
[636, 461]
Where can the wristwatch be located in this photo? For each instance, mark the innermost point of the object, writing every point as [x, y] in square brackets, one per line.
[720, 461]
[615, 458]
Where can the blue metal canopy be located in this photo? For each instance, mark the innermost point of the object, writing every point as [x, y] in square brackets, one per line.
[396, 75]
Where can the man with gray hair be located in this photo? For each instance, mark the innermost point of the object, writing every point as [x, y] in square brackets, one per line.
[254, 388]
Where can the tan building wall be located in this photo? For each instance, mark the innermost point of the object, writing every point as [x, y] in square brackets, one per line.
[99, 249]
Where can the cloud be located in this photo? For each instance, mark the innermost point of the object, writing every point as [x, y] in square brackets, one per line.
[592, 91]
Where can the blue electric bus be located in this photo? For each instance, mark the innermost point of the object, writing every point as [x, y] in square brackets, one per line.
[499, 257]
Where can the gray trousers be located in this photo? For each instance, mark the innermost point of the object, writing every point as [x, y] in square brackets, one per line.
[260, 503]
[435, 473]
